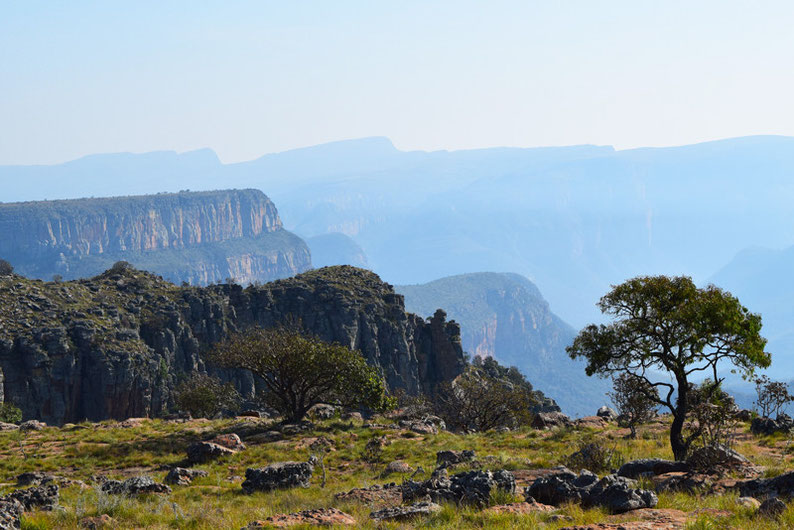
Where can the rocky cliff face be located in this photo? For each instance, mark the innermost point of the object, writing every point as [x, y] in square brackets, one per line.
[505, 316]
[116, 345]
[219, 234]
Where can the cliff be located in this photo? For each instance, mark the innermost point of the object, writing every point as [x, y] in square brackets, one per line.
[198, 237]
[116, 345]
[506, 317]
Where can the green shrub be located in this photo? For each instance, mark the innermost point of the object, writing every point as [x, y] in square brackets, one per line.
[10, 413]
[204, 396]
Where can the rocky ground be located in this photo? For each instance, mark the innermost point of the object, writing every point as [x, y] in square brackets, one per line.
[254, 473]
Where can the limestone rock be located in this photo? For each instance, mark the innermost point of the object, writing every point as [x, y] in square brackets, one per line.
[545, 420]
[32, 425]
[36, 498]
[406, 512]
[182, 477]
[202, 452]
[607, 413]
[398, 466]
[451, 458]
[34, 478]
[772, 508]
[229, 441]
[651, 466]
[134, 486]
[471, 487]
[10, 513]
[282, 475]
[378, 494]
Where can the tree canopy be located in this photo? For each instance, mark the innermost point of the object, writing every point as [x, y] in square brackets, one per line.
[668, 325]
[300, 371]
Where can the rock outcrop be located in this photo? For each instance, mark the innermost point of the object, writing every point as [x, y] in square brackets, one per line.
[198, 237]
[115, 345]
[281, 475]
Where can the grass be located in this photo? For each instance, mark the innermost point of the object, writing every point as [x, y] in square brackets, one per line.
[81, 452]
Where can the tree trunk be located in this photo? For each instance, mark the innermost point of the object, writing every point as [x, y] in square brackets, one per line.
[677, 443]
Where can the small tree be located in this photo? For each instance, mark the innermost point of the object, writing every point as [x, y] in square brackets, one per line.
[478, 401]
[635, 400]
[714, 415]
[6, 269]
[300, 371]
[665, 324]
[772, 396]
[204, 396]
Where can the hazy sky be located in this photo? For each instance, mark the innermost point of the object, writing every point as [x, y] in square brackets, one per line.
[250, 77]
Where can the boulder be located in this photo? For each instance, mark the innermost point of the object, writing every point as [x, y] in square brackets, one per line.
[679, 481]
[321, 517]
[203, 452]
[181, 476]
[615, 493]
[229, 441]
[98, 522]
[521, 508]
[607, 413]
[352, 416]
[650, 467]
[323, 412]
[134, 486]
[744, 415]
[717, 458]
[281, 475]
[780, 486]
[34, 478]
[32, 425]
[383, 494]
[471, 487]
[8, 426]
[772, 508]
[451, 458]
[546, 420]
[405, 512]
[265, 437]
[748, 502]
[398, 466]
[36, 498]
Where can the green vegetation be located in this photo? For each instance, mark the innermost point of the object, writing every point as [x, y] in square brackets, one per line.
[300, 371]
[665, 324]
[10, 413]
[78, 452]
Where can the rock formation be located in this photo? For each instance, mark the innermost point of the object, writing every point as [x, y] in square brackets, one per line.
[115, 346]
[197, 237]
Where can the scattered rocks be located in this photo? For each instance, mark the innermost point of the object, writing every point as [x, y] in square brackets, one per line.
[34, 478]
[471, 487]
[546, 420]
[780, 486]
[651, 466]
[8, 427]
[407, 512]
[38, 497]
[281, 475]
[379, 494]
[451, 458]
[203, 452]
[181, 476]
[607, 413]
[615, 493]
[772, 508]
[321, 517]
[134, 486]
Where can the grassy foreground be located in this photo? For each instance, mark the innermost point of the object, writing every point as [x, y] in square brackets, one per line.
[86, 451]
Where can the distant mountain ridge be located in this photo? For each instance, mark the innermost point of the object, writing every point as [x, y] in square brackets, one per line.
[504, 315]
[198, 237]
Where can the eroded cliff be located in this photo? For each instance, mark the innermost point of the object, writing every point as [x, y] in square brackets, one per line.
[198, 237]
[116, 345]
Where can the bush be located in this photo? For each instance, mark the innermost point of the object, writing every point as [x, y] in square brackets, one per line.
[121, 266]
[204, 396]
[6, 269]
[713, 417]
[10, 413]
[595, 457]
[635, 400]
[479, 400]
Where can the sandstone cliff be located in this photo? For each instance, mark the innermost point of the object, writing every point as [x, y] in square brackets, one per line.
[198, 237]
[116, 345]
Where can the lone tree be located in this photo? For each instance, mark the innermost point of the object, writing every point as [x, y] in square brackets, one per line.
[667, 324]
[300, 371]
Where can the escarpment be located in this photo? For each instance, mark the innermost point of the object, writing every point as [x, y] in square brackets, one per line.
[116, 345]
[197, 237]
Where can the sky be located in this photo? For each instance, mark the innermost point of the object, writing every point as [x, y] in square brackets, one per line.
[247, 78]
